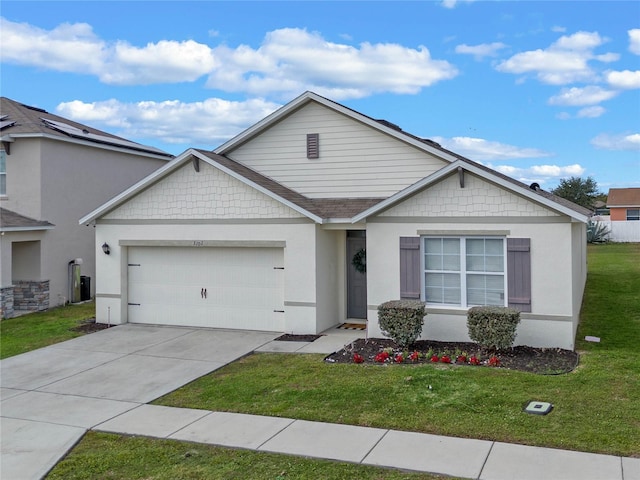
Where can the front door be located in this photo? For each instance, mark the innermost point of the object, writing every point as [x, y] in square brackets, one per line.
[356, 281]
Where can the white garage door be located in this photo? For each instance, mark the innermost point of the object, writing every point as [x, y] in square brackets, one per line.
[238, 288]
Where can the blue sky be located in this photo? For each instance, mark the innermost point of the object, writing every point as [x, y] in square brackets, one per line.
[539, 90]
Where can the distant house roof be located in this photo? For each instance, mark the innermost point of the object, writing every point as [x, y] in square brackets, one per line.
[19, 120]
[14, 222]
[623, 197]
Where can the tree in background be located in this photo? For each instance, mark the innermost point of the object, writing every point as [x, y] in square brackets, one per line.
[582, 191]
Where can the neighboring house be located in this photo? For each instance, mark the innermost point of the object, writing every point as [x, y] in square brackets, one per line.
[624, 211]
[262, 234]
[624, 204]
[52, 170]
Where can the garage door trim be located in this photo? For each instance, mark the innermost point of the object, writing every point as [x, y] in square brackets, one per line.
[204, 243]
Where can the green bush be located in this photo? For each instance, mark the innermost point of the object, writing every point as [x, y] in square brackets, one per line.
[401, 320]
[493, 327]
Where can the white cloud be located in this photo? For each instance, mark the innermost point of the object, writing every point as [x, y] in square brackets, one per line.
[540, 174]
[591, 112]
[288, 61]
[634, 41]
[575, 96]
[482, 50]
[209, 122]
[558, 29]
[482, 150]
[453, 3]
[292, 60]
[70, 48]
[564, 61]
[624, 80]
[623, 141]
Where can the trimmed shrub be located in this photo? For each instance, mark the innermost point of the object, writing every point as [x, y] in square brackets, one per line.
[401, 320]
[493, 327]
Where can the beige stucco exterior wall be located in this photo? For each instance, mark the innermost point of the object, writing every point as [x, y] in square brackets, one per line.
[557, 275]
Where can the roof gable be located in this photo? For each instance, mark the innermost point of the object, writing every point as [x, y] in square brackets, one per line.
[308, 97]
[460, 167]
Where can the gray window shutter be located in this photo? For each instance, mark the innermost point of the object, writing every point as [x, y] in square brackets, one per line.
[313, 145]
[410, 267]
[519, 273]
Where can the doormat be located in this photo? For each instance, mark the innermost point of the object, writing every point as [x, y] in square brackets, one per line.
[288, 337]
[353, 326]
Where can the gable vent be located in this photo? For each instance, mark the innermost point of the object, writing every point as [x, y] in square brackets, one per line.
[313, 145]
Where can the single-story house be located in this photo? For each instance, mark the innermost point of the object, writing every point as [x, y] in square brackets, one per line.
[317, 214]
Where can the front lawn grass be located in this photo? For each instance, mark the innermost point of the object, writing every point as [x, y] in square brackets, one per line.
[36, 330]
[117, 457]
[596, 407]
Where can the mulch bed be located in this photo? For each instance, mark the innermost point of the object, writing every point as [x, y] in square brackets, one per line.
[90, 326]
[546, 361]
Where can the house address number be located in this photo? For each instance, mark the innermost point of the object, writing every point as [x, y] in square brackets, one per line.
[198, 243]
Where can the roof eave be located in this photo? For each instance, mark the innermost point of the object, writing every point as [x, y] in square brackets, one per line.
[11, 137]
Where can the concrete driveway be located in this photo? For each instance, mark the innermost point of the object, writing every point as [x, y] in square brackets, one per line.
[51, 396]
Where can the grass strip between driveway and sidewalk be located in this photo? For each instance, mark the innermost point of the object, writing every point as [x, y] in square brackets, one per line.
[596, 407]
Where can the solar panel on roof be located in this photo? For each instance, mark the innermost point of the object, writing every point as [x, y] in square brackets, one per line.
[6, 123]
[86, 135]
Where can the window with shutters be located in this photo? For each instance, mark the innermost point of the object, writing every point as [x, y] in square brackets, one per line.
[464, 271]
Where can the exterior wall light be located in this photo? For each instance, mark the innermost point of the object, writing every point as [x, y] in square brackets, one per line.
[105, 248]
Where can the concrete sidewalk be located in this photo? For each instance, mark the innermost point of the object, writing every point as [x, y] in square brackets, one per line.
[459, 457]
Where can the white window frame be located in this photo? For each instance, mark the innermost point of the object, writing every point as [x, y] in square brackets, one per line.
[463, 271]
[633, 217]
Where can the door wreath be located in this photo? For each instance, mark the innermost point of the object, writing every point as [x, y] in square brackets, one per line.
[359, 261]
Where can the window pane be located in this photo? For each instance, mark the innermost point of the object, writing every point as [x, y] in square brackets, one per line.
[485, 290]
[451, 246]
[451, 263]
[433, 245]
[3, 184]
[475, 246]
[494, 264]
[442, 288]
[433, 262]
[493, 246]
[475, 263]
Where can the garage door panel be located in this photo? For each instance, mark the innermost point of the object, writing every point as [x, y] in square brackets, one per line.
[243, 289]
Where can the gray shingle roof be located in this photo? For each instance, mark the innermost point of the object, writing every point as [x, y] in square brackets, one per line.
[322, 207]
[11, 220]
[26, 120]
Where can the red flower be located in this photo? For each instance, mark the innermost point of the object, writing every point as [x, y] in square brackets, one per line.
[399, 358]
[461, 359]
[445, 359]
[414, 357]
[474, 360]
[381, 357]
[357, 358]
[435, 358]
[494, 361]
